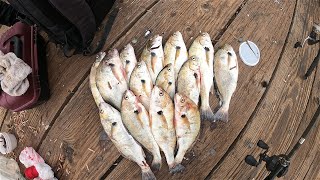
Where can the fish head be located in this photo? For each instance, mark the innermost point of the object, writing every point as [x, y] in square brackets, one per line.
[194, 63]
[205, 40]
[155, 42]
[176, 38]
[169, 72]
[128, 57]
[228, 48]
[129, 97]
[183, 104]
[142, 68]
[106, 111]
[112, 59]
[159, 97]
[100, 56]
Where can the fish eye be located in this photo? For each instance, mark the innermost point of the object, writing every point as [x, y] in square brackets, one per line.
[169, 83]
[111, 64]
[183, 115]
[126, 97]
[139, 65]
[193, 58]
[169, 69]
[161, 93]
[101, 111]
[182, 100]
[127, 61]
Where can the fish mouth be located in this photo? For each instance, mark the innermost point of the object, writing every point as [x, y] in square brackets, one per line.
[204, 39]
[155, 42]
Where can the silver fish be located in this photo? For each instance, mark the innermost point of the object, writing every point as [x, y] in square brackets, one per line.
[202, 48]
[113, 126]
[161, 118]
[175, 52]
[153, 56]
[189, 79]
[128, 59]
[226, 76]
[136, 118]
[111, 79]
[187, 124]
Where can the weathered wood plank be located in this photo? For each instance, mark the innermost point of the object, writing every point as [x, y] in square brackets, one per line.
[280, 113]
[65, 76]
[85, 118]
[257, 21]
[3, 113]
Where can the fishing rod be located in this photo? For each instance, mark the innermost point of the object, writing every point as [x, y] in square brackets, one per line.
[278, 165]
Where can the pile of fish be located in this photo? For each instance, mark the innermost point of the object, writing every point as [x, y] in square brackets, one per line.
[154, 102]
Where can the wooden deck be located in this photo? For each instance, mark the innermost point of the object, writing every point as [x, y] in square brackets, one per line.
[272, 101]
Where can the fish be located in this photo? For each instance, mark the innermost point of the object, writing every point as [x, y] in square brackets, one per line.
[187, 124]
[188, 81]
[161, 121]
[226, 76]
[175, 52]
[153, 56]
[166, 80]
[141, 84]
[202, 48]
[112, 124]
[136, 119]
[111, 79]
[128, 59]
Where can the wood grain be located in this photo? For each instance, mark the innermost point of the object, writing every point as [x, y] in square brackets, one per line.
[280, 113]
[265, 23]
[65, 76]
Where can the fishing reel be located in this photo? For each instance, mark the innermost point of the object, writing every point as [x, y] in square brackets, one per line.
[277, 164]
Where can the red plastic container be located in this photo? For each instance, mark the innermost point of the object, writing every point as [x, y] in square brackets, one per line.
[24, 41]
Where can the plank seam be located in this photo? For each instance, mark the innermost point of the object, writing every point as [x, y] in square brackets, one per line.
[115, 163]
[259, 103]
[75, 89]
[224, 29]
[4, 118]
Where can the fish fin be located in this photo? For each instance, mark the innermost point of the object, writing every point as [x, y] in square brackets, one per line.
[148, 175]
[212, 89]
[222, 114]
[156, 164]
[164, 121]
[177, 169]
[153, 61]
[206, 113]
[178, 50]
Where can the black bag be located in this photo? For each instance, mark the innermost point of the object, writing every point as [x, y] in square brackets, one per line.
[70, 23]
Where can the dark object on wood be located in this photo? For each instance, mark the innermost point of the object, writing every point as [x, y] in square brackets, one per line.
[71, 24]
[8, 15]
[28, 45]
[313, 65]
[278, 164]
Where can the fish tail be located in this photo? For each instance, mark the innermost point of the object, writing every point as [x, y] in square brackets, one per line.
[206, 113]
[156, 163]
[222, 114]
[177, 169]
[147, 174]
